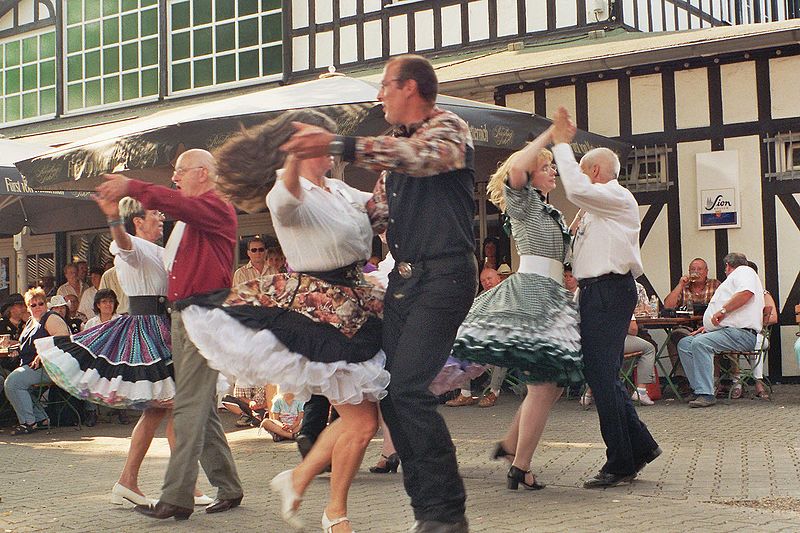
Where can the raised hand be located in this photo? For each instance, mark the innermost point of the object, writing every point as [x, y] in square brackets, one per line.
[114, 189]
[308, 141]
[563, 128]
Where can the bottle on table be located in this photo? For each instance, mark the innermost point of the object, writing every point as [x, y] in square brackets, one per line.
[654, 306]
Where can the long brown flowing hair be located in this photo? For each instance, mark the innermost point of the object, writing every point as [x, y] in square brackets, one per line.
[247, 162]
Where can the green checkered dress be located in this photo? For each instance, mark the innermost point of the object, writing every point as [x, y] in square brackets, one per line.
[528, 322]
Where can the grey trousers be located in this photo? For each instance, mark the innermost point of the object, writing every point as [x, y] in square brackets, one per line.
[198, 432]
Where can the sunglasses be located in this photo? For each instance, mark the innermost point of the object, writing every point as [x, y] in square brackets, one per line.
[254, 250]
[37, 304]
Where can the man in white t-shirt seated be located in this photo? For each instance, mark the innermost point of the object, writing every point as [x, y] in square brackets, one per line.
[731, 322]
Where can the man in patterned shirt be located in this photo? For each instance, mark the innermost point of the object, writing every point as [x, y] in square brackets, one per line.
[698, 288]
[427, 180]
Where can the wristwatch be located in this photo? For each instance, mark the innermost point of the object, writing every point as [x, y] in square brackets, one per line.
[336, 146]
[722, 310]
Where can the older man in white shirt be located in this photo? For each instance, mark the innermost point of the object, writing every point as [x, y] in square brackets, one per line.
[606, 260]
[731, 322]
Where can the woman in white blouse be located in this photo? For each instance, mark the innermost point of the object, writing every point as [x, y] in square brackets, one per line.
[105, 308]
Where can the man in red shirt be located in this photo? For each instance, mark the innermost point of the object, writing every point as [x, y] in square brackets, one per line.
[199, 259]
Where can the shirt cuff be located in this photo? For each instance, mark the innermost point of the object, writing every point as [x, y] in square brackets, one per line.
[563, 150]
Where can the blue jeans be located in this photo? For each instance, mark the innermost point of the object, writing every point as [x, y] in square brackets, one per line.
[18, 391]
[697, 354]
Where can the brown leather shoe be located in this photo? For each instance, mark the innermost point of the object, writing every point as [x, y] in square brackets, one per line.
[462, 401]
[489, 400]
[219, 505]
[161, 510]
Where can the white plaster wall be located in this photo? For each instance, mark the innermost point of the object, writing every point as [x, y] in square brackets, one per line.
[627, 9]
[691, 95]
[324, 50]
[478, 20]
[347, 8]
[658, 19]
[694, 243]
[521, 101]
[299, 14]
[669, 20]
[398, 35]
[560, 96]
[423, 30]
[566, 14]
[535, 15]
[788, 358]
[451, 25]
[27, 8]
[788, 243]
[784, 80]
[739, 98]
[603, 101]
[506, 17]
[300, 53]
[373, 40]
[749, 239]
[647, 104]
[372, 5]
[323, 11]
[348, 44]
[655, 252]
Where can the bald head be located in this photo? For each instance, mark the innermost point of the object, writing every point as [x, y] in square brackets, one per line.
[601, 165]
[195, 172]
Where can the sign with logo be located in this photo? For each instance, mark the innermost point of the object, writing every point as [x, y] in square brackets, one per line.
[718, 190]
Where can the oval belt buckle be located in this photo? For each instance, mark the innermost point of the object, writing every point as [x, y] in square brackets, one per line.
[404, 269]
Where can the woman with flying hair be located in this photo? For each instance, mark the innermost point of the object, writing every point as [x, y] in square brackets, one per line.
[316, 330]
[126, 362]
[528, 321]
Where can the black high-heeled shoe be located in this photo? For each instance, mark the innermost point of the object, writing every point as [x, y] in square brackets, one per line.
[390, 464]
[517, 476]
[501, 453]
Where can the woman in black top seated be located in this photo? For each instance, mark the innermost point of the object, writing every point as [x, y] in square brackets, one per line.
[42, 323]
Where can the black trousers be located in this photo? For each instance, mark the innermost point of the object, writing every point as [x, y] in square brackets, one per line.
[421, 317]
[315, 416]
[606, 309]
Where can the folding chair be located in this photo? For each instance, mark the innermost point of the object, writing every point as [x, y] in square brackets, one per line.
[41, 393]
[743, 363]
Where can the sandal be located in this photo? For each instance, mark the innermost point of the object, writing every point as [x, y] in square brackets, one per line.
[736, 392]
[24, 429]
[327, 523]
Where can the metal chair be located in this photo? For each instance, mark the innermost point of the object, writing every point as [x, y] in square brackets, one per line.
[743, 363]
[41, 393]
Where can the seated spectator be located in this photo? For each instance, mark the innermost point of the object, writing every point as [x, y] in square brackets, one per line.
[67, 311]
[257, 266]
[13, 315]
[285, 418]
[86, 306]
[73, 285]
[695, 287]
[104, 308]
[250, 403]
[42, 323]
[109, 280]
[731, 322]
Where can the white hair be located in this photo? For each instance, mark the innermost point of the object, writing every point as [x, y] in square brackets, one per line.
[604, 157]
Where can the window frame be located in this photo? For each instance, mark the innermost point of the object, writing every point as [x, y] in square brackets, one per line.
[40, 117]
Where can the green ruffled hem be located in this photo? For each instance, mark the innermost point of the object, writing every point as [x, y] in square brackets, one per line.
[538, 360]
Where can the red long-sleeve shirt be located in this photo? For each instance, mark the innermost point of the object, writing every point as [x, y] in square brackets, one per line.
[204, 260]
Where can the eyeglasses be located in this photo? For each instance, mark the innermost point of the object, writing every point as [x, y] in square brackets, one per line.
[180, 171]
[37, 304]
[385, 83]
[256, 250]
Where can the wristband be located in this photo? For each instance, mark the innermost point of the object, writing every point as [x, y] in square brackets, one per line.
[115, 222]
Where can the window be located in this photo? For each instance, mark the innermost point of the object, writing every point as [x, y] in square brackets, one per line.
[784, 156]
[215, 42]
[646, 169]
[111, 52]
[41, 268]
[28, 80]
[90, 246]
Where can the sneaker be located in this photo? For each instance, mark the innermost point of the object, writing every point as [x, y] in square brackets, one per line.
[641, 396]
[489, 400]
[244, 421]
[703, 401]
[462, 400]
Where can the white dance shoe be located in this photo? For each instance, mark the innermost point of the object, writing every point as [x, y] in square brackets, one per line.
[203, 500]
[282, 486]
[119, 494]
[327, 523]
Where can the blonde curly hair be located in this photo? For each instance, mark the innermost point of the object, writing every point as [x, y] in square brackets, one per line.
[495, 187]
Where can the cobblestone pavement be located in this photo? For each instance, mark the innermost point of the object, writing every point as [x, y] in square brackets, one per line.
[714, 459]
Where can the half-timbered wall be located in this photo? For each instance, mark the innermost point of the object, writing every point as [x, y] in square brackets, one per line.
[696, 106]
[345, 32]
